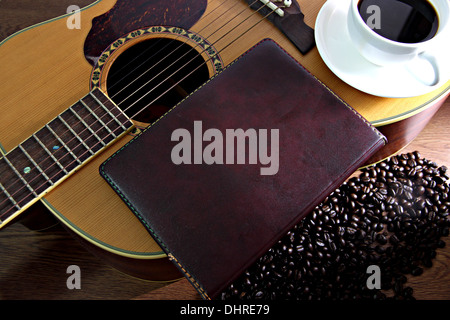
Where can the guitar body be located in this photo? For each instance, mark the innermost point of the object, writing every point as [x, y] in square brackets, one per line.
[48, 67]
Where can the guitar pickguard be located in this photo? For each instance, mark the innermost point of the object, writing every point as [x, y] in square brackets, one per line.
[127, 16]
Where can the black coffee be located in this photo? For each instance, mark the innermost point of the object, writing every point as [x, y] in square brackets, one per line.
[408, 21]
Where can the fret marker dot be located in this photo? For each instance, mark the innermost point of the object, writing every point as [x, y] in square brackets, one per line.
[27, 170]
[55, 147]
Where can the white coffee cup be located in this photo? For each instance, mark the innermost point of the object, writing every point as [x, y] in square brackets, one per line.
[384, 52]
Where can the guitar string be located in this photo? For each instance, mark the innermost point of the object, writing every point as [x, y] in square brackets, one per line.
[180, 46]
[77, 158]
[50, 179]
[161, 49]
[99, 107]
[192, 59]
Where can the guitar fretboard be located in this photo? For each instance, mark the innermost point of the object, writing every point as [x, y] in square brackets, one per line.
[57, 149]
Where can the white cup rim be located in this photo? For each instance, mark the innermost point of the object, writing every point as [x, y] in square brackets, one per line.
[354, 8]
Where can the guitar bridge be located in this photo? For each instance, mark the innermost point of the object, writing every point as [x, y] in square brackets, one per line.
[277, 8]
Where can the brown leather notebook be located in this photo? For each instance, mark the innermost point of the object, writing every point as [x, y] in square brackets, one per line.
[216, 198]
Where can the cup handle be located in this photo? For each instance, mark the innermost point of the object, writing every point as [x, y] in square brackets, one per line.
[426, 68]
[434, 61]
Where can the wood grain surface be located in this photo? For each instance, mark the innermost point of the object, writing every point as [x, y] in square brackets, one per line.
[34, 264]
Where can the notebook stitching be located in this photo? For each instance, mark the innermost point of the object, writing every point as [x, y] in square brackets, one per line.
[154, 234]
[103, 173]
[196, 284]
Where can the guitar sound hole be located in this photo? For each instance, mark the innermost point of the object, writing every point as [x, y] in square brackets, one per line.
[151, 77]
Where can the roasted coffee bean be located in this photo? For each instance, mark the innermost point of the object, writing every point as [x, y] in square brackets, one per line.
[394, 215]
[417, 271]
[381, 239]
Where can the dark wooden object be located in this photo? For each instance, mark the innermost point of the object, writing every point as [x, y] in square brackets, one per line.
[291, 24]
[127, 16]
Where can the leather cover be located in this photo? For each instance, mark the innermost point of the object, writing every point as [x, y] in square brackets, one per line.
[215, 220]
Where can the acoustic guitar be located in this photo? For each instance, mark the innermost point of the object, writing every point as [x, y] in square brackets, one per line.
[75, 91]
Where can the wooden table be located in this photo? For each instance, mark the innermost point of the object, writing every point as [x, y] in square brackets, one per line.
[34, 264]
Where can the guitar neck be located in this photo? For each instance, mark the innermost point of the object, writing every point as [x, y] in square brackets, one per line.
[55, 151]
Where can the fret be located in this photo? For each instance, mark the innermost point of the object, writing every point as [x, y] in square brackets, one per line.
[55, 146]
[57, 149]
[36, 165]
[98, 119]
[76, 135]
[114, 117]
[91, 120]
[105, 111]
[26, 167]
[19, 175]
[63, 144]
[50, 154]
[46, 163]
[86, 126]
[84, 132]
[8, 205]
[15, 194]
[115, 110]
[9, 197]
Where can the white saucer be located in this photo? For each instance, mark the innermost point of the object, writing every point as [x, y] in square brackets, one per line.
[343, 59]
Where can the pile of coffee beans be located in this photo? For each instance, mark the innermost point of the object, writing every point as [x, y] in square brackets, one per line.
[394, 216]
